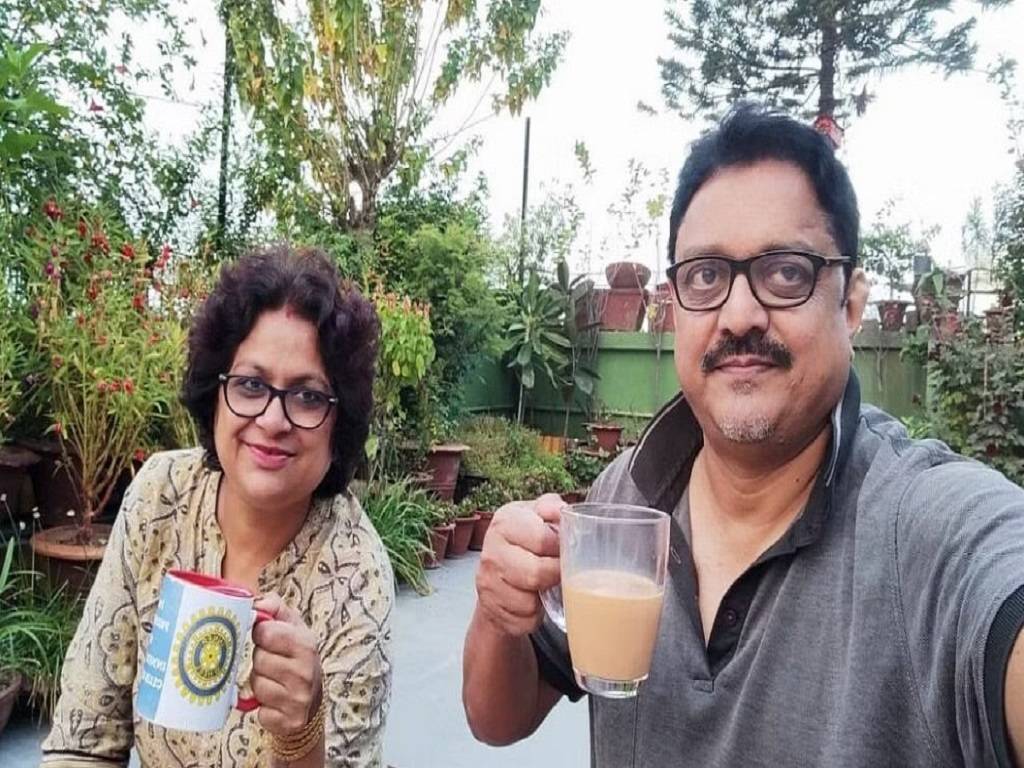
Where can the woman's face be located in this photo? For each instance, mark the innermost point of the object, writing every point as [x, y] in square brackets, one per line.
[268, 461]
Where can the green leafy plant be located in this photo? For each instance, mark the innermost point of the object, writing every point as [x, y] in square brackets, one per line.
[535, 338]
[405, 355]
[584, 467]
[402, 515]
[487, 497]
[511, 458]
[104, 330]
[888, 248]
[976, 397]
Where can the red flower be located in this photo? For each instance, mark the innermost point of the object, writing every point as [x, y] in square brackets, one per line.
[129, 386]
[165, 253]
[102, 341]
[87, 258]
[101, 385]
[139, 302]
[94, 107]
[127, 252]
[99, 240]
[139, 455]
[51, 210]
[80, 320]
[50, 269]
[93, 292]
[54, 252]
[57, 428]
[83, 229]
[115, 386]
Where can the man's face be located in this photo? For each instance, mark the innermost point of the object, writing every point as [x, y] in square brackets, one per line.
[756, 375]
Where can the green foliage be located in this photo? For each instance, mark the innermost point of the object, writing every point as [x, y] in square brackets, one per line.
[99, 147]
[405, 355]
[535, 338]
[510, 457]
[435, 250]
[487, 497]
[106, 334]
[401, 514]
[784, 52]
[36, 627]
[1009, 244]
[348, 90]
[888, 248]
[584, 467]
[976, 398]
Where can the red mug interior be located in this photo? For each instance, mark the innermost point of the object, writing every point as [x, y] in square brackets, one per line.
[212, 583]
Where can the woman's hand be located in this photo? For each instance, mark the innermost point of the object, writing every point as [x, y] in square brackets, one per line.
[286, 675]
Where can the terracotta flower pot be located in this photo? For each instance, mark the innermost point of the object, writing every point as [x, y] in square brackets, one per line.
[892, 311]
[459, 544]
[439, 537]
[443, 465]
[54, 488]
[574, 497]
[16, 464]
[627, 274]
[622, 309]
[66, 559]
[483, 522]
[947, 325]
[607, 436]
[10, 687]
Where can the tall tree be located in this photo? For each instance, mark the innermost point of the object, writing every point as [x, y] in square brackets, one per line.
[808, 56]
[343, 92]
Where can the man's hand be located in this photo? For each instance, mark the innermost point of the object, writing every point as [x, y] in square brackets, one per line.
[519, 560]
[286, 675]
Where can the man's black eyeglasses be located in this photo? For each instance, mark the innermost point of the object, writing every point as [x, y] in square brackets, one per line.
[779, 279]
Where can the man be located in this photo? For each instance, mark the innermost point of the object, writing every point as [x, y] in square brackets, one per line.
[838, 594]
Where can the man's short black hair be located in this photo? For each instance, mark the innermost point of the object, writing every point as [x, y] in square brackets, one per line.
[749, 134]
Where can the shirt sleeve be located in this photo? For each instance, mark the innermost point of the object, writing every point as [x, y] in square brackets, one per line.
[355, 651]
[92, 722]
[960, 549]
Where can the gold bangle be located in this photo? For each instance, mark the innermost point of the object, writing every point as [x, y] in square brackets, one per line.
[297, 745]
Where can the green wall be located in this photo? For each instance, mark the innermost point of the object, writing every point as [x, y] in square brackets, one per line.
[637, 376]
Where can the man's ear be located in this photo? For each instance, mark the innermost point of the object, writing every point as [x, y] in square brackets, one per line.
[857, 290]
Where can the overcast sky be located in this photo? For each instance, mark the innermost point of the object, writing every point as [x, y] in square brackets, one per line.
[932, 143]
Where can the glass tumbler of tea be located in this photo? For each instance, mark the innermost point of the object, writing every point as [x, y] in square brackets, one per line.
[613, 564]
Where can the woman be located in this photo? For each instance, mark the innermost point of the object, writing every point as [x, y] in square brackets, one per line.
[279, 381]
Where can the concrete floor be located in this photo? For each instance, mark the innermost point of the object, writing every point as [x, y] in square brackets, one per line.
[426, 727]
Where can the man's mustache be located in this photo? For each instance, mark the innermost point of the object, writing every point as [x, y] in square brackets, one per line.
[753, 344]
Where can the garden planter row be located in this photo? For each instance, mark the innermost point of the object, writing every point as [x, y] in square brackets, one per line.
[456, 538]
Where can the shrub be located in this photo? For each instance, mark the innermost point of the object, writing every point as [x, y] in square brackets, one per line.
[402, 515]
[511, 458]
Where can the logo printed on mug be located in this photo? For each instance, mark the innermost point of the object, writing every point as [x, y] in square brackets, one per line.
[204, 655]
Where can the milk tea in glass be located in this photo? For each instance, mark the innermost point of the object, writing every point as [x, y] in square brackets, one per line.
[613, 563]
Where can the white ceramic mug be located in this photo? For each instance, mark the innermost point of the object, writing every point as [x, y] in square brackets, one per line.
[201, 629]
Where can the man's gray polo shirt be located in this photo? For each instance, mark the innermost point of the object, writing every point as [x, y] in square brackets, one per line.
[875, 632]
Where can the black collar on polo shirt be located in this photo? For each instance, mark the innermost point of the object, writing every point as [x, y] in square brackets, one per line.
[663, 458]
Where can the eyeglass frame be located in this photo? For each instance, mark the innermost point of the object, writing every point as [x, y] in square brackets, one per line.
[742, 266]
[275, 393]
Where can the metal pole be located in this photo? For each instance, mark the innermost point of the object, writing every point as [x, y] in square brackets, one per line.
[522, 215]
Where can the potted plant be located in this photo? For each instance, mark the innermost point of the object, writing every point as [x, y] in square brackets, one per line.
[605, 431]
[465, 518]
[440, 535]
[888, 250]
[101, 327]
[401, 515]
[584, 468]
[484, 501]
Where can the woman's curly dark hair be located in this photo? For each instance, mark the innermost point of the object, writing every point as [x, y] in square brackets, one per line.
[347, 329]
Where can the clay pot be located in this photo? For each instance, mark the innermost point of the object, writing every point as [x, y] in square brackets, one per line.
[606, 435]
[439, 537]
[476, 542]
[54, 488]
[622, 309]
[459, 544]
[891, 312]
[574, 497]
[10, 687]
[627, 274]
[66, 559]
[443, 466]
[16, 464]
